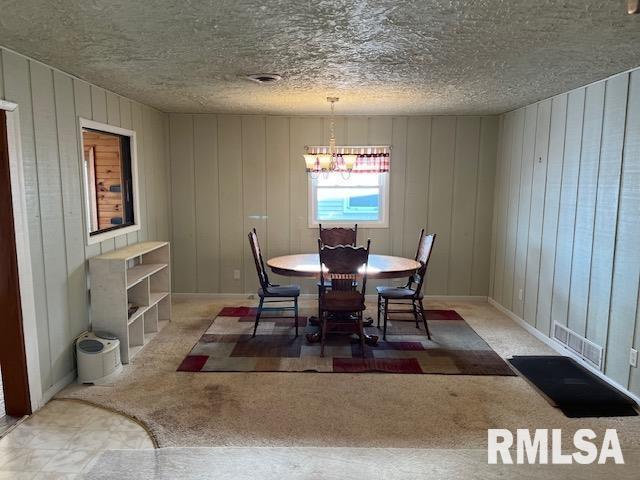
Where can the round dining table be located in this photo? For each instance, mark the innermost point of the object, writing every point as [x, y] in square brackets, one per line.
[308, 265]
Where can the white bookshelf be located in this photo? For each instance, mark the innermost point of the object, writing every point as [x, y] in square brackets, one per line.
[138, 274]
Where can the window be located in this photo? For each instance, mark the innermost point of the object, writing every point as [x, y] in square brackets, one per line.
[109, 179]
[360, 198]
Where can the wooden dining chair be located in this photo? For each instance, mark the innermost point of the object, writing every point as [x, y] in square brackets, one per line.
[332, 237]
[268, 292]
[335, 236]
[411, 293]
[346, 267]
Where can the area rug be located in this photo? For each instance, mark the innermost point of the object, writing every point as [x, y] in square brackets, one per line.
[454, 349]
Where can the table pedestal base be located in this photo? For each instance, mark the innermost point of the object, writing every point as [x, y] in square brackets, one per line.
[313, 320]
[371, 340]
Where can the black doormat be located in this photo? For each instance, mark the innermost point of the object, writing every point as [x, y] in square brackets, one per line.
[572, 388]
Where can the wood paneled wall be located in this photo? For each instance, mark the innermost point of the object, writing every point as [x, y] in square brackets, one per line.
[567, 210]
[232, 173]
[49, 105]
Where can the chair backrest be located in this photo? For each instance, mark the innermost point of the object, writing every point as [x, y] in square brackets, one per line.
[425, 246]
[344, 265]
[339, 236]
[257, 257]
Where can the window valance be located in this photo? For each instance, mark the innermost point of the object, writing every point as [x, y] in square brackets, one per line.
[365, 159]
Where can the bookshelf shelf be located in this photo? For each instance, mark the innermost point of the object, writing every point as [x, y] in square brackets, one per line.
[139, 274]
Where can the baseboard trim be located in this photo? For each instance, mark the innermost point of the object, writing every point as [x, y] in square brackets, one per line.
[560, 348]
[369, 297]
[57, 387]
[443, 298]
[184, 295]
[457, 298]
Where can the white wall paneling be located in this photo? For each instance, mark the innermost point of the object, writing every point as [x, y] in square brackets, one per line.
[183, 202]
[51, 218]
[463, 208]
[501, 206]
[254, 192]
[230, 191]
[606, 207]
[568, 200]
[278, 200]
[578, 208]
[440, 200]
[523, 201]
[249, 173]
[414, 185]
[511, 228]
[496, 203]
[626, 267]
[205, 154]
[50, 103]
[536, 210]
[397, 183]
[485, 180]
[585, 207]
[553, 183]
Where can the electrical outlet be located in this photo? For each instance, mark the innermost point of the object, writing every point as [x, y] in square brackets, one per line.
[633, 357]
[236, 274]
[520, 292]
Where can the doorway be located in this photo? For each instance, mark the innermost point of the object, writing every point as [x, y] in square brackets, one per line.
[15, 400]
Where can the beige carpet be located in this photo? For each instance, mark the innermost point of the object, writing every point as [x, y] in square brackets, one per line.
[308, 409]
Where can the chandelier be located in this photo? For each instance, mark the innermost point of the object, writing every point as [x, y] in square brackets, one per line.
[329, 160]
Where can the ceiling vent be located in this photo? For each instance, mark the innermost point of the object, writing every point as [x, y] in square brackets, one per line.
[263, 78]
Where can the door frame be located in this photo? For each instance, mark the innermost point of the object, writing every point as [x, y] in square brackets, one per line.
[23, 253]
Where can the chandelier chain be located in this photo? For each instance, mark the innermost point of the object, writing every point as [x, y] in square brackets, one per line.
[332, 132]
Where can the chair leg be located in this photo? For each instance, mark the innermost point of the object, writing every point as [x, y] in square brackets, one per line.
[319, 297]
[415, 312]
[255, 327]
[361, 328]
[323, 322]
[295, 304]
[379, 306]
[424, 320]
[386, 317]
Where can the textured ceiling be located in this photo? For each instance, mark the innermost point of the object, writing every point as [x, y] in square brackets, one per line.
[378, 56]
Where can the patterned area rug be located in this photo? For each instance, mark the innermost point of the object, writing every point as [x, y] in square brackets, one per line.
[454, 349]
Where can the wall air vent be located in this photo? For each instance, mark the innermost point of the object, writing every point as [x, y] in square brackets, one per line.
[582, 347]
